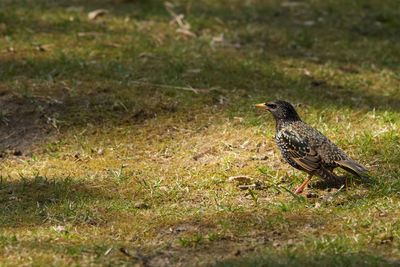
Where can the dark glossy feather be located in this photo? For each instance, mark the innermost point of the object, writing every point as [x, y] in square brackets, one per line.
[305, 148]
[299, 150]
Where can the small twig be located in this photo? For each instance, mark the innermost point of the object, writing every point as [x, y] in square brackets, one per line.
[126, 253]
[195, 90]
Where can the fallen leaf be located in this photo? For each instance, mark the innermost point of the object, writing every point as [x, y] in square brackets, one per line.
[97, 13]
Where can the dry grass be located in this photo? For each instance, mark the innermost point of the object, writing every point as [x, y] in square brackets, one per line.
[119, 134]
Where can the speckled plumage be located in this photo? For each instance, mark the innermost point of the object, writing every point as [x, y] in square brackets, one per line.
[305, 148]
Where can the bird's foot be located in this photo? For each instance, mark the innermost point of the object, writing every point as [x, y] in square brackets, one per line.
[301, 187]
[299, 190]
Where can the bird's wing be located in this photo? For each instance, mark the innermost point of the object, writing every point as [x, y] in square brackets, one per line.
[300, 151]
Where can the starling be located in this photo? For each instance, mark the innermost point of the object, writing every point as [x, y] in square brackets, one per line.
[305, 148]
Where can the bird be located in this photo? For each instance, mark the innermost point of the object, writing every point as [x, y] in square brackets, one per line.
[305, 148]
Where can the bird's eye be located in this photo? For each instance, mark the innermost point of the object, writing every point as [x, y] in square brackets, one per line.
[271, 106]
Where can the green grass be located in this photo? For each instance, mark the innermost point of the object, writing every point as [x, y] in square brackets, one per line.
[129, 129]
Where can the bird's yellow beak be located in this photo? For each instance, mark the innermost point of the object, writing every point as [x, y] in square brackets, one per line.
[260, 106]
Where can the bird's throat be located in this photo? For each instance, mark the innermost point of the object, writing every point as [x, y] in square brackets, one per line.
[279, 124]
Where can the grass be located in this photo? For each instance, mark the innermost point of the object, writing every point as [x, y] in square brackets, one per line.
[119, 134]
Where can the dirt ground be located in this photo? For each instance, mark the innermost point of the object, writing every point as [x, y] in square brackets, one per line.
[25, 122]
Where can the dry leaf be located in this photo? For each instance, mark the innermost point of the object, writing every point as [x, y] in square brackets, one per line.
[184, 27]
[97, 13]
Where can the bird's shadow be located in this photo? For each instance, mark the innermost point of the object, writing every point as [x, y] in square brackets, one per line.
[344, 181]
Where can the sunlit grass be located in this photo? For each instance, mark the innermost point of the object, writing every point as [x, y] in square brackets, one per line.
[140, 124]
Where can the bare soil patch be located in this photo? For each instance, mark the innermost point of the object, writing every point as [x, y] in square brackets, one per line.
[26, 121]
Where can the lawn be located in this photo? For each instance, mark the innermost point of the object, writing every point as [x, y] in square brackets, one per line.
[119, 134]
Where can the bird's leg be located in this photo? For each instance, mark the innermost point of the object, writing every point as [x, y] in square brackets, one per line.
[301, 187]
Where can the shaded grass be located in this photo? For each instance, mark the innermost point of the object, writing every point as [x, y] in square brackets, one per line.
[291, 259]
[136, 165]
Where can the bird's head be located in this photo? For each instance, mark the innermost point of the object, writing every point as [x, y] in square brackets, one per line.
[281, 110]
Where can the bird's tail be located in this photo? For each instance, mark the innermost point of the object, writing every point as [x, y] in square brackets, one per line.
[352, 166]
